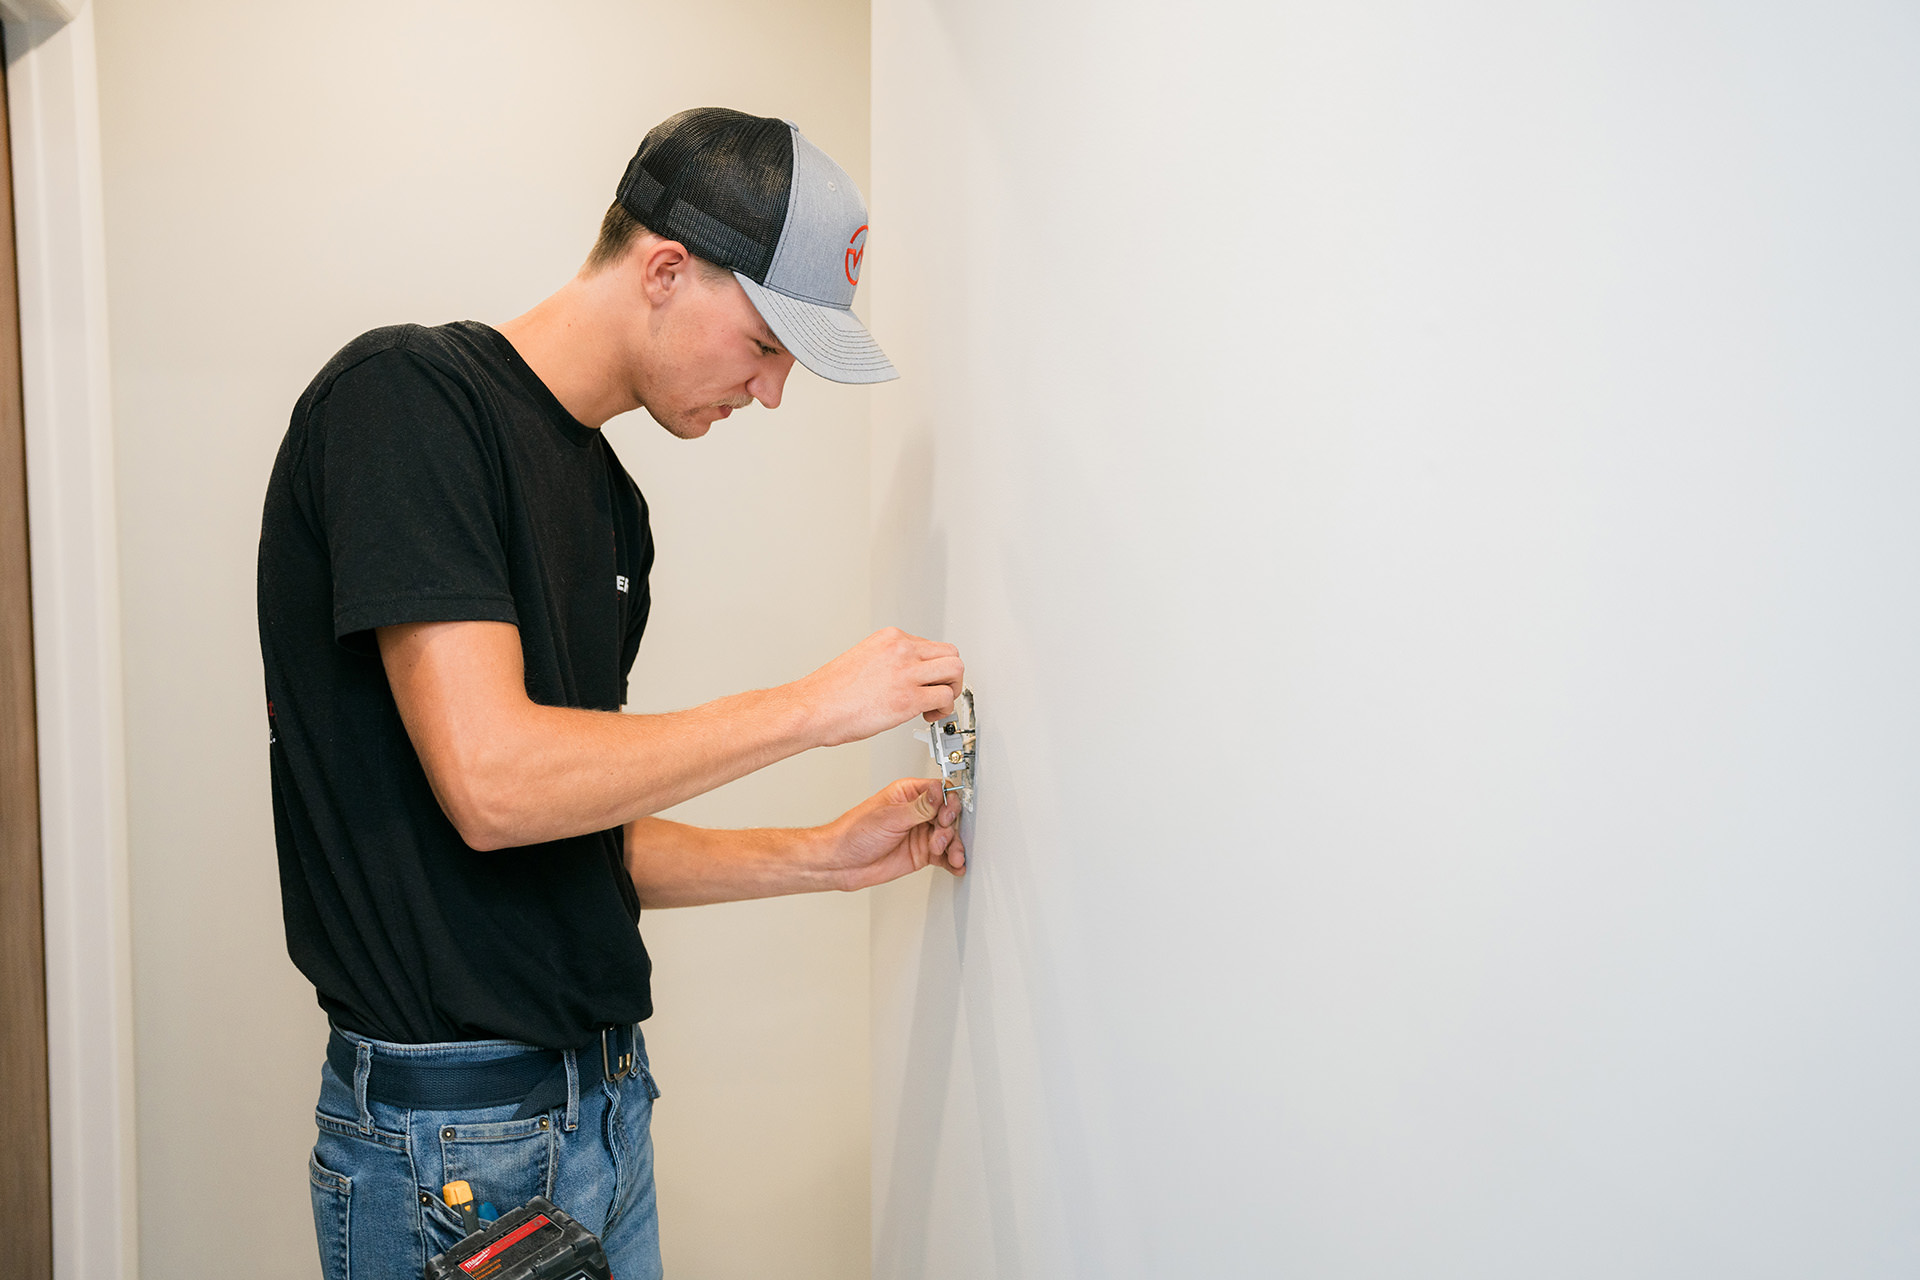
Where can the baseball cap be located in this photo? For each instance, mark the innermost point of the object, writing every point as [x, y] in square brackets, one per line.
[753, 195]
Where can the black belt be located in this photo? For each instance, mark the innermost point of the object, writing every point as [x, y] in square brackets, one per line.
[534, 1078]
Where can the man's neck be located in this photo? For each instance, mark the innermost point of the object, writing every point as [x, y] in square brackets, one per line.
[573, 342]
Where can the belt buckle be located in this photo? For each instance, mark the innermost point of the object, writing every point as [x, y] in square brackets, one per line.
[606, 1058]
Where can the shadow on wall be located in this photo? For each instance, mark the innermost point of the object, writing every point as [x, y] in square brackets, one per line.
[980, 1144]
[948, 995]
[981, 993]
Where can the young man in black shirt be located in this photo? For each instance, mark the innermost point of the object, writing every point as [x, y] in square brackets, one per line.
[452, 589]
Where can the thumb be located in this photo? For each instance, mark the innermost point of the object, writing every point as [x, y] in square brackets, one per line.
[915, 800]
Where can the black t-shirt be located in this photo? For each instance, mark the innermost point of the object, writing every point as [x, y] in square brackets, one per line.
[429, 475]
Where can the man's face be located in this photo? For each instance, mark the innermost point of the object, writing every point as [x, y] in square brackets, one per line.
[711, 354]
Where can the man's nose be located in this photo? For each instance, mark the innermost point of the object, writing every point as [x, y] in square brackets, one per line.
[770, 382]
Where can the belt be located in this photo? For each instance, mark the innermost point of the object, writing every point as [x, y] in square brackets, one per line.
[534, 1078]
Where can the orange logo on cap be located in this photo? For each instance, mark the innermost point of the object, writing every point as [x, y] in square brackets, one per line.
[856, 250]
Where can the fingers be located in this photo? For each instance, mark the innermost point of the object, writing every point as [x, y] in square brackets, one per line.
[908, 824]
[906, 644]
[940, 674]
[915, 801]
[916, 824]
[919, 646]
[950, 819]
[934, 845]
[945, 669]
[883, 681]
[936, 662]
[903, 790]
[955, 852]
[942, 678]
[943, 838]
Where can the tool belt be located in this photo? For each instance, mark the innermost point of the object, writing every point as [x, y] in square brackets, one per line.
[536, 1079]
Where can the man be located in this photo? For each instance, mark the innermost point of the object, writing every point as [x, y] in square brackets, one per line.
[453, 585]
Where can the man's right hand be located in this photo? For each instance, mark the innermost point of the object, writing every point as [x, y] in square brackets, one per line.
[885, 680]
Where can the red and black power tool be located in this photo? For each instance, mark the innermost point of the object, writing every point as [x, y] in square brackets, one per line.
[534, 1242]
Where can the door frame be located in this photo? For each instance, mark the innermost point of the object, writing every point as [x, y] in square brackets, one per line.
[54, 128]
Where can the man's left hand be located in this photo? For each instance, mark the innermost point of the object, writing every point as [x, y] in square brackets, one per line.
[908, 825]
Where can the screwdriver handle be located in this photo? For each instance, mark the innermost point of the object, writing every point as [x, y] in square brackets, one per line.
[459, 1195]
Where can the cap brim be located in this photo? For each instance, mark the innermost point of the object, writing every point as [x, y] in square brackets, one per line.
[831, 342]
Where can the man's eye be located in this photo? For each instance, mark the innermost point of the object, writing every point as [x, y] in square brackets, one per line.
[765, 350]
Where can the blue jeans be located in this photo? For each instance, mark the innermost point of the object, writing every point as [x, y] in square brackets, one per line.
[377, 1170]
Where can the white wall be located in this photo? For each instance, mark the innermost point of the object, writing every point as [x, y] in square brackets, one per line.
[1427, 497]
[279, 177]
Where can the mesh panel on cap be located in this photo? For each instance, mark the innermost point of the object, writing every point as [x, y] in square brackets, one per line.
[717, 181]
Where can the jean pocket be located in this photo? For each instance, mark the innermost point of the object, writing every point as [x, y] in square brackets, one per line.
[506, 1162]
[332, 1194]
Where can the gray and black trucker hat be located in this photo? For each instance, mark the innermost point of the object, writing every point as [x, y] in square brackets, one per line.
[753, 195]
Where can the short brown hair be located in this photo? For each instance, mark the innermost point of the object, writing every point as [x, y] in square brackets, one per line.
[618, 229]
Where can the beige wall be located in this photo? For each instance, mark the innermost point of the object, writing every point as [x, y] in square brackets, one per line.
[279, 177]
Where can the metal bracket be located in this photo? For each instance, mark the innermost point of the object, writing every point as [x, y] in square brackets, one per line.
[951, 741]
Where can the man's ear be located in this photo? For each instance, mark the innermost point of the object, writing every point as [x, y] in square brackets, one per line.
[664, 266]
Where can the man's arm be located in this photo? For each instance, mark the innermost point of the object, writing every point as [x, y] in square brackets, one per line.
[902, 829]
[509, 771]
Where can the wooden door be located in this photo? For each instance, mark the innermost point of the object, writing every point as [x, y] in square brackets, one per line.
[26, 1179]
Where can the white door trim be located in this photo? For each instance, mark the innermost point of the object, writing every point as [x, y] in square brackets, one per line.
[54, 103]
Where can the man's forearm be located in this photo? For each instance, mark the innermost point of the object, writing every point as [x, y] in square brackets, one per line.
[550, 772]
[675, 865]
[509, 771]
